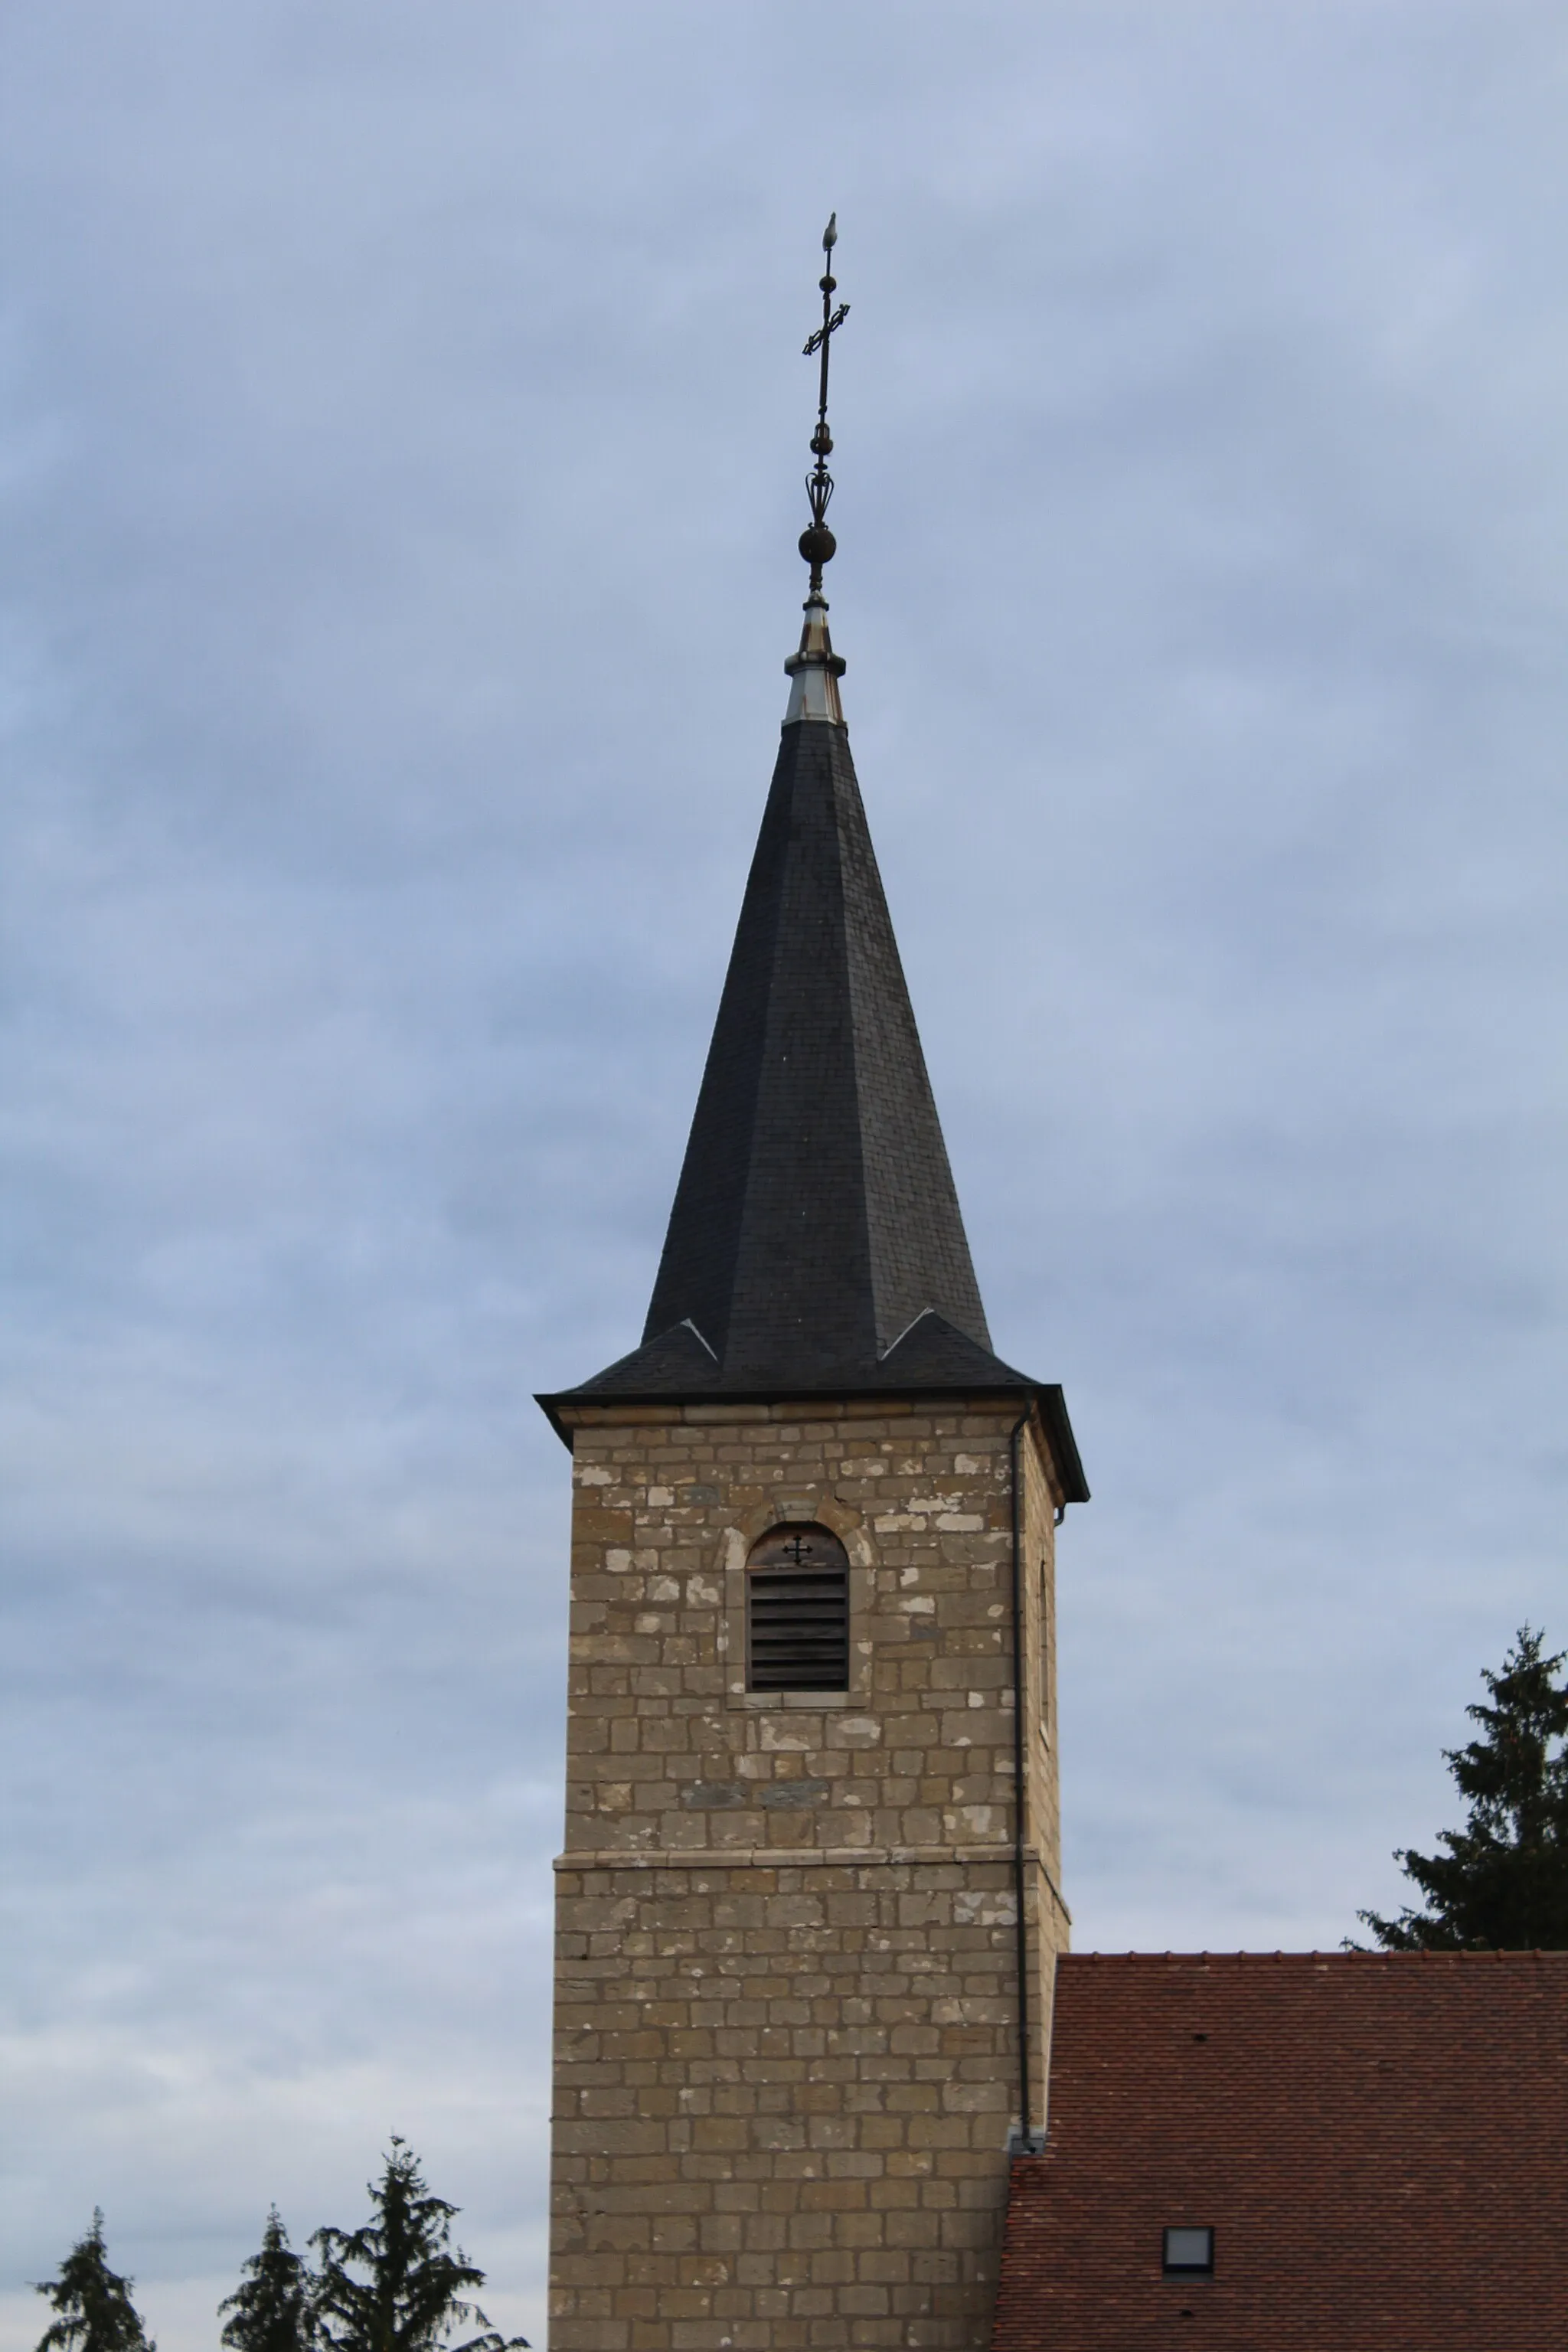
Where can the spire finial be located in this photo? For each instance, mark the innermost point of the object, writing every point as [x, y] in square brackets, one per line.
[817, 544]
[816, 669]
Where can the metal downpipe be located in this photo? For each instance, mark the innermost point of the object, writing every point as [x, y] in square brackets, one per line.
[1023, 2141]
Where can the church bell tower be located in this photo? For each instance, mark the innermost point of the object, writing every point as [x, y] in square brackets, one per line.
[807, 1909]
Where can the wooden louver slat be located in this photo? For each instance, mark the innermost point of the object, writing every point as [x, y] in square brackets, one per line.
[798, 1629]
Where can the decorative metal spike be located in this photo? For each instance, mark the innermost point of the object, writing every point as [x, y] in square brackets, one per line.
[818, 545]
[815, 670]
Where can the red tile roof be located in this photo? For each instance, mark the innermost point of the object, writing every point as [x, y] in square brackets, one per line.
[1380, 2144]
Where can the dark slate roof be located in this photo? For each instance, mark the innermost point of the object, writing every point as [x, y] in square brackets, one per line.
[815, 1215]
[1375, 2139]
[816, 1244]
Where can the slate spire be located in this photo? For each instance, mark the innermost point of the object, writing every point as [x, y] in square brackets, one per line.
[816, 1217]
[816, 1243]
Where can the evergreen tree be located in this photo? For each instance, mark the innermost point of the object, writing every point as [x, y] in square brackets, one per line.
[1503, 1884]
[411, 2297]
[93, 2310]
[271, 2306]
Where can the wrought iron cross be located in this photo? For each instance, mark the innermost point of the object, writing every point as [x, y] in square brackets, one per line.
[796, 1551]
[817, 544]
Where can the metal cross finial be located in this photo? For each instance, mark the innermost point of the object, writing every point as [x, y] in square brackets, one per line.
[817, 544]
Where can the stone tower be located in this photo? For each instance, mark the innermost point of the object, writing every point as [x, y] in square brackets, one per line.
[808, 1906]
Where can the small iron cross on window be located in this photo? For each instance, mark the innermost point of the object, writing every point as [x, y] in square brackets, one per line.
[798, 1551]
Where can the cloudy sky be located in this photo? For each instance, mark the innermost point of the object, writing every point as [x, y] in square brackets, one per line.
[402, 427]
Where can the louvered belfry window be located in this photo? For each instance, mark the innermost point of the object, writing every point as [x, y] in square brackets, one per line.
[797, 1611]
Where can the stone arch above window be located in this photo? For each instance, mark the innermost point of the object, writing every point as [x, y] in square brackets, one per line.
[797, 1611]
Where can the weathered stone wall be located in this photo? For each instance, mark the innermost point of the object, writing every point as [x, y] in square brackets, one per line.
[786, 1980]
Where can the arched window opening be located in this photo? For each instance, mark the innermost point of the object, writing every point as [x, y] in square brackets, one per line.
[797, 1611]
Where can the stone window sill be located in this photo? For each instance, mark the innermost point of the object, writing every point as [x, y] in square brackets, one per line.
[794, 1702]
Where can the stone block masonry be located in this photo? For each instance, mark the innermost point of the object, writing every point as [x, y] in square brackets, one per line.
[786, 1984]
